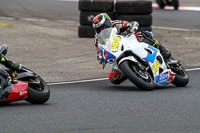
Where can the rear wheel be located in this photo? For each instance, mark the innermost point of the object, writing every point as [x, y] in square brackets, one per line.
[181, 78]
[38, 93]
[140, 78]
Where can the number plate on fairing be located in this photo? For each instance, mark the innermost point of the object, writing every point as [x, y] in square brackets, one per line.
[156, 66]
[115, 44]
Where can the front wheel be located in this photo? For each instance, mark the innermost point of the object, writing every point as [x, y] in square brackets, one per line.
[38, 93]
[140, 78]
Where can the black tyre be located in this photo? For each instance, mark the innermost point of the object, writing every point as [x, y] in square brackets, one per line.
[140, 78]
[175, 4]
[160, 3]
[133, 7]
[148, 28]
[38, 93]
[96, 5]
[86, 31]
[181, 78]
[87, 17]
[143, 20]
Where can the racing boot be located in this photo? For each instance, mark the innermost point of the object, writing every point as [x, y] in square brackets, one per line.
[6, 79]
[6, 82]
[164, 51]
[116, 77]
[149, 39]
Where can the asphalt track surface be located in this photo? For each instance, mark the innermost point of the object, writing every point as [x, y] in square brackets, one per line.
[100, 107]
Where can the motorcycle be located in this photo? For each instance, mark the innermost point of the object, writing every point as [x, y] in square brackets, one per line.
[30, 87]
[163, 3]
[140, 62]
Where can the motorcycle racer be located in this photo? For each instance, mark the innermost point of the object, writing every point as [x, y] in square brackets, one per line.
[5, 78]
[103, 21]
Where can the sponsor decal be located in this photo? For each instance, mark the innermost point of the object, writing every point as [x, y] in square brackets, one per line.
[115, 44]
[22, 93]
[171, 76]
[162, 78]
[156, 66]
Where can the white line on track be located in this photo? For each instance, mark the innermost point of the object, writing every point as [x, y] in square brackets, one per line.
[171, 28]
[100, 79]
[193, 69]
[80, 81]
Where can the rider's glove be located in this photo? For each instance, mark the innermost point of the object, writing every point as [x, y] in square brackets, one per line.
[99, 58]
[134, 27]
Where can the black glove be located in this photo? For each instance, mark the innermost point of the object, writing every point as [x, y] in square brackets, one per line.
[133, 26]
[99, 58]
[18, 67]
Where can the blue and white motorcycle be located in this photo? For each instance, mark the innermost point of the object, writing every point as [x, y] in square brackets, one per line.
[141, 63]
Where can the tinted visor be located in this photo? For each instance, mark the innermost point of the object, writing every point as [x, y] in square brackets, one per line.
[107, 24]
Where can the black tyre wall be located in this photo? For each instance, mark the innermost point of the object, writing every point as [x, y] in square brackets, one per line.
[143, 20]
[87, 17]
[96, 5]
[86, 31]
[133, 7]
[148, 28]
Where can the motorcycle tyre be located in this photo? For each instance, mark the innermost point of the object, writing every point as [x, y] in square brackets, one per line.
[39, 97]
[130, 74]
[181, 81]
[161, 3]
[133, 7]
[175, 3]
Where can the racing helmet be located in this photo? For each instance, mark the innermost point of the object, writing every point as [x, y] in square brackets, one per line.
[3, 49]
[101, 22]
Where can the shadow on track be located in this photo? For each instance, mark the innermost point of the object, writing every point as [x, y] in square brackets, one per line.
[19, 104]
[136, 89]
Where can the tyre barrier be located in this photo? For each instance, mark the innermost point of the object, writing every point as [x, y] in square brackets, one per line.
[128, 10]
[86, 31]
[96, 5]
[135, 10]
[143, 20]
[133, 7]
[88, 10]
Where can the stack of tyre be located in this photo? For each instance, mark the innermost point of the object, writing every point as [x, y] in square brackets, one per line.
[129, 10]
[88, 10]
[135, 10]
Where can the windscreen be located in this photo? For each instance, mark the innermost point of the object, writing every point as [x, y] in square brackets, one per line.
[104, 36]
